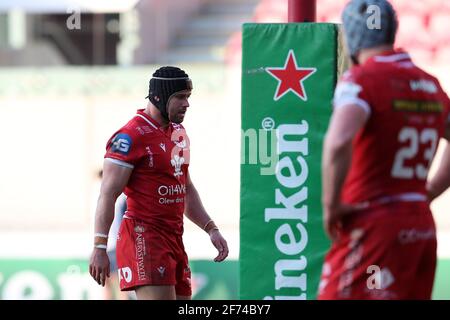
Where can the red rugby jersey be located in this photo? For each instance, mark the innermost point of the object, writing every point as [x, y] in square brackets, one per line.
[407, 110]
[157, 186]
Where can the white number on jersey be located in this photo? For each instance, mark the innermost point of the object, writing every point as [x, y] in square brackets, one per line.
[399, 170]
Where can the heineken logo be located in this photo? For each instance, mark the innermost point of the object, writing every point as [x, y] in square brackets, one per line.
[290, 77]
[289, 212]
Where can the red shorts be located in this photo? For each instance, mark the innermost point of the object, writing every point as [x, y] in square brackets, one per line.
[385, 252]
[147, 255]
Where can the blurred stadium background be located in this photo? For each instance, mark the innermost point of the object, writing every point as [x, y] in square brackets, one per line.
[73, 71]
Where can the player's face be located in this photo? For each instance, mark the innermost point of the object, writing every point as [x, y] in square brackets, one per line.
[177, 106]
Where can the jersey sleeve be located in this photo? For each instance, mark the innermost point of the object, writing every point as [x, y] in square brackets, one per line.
[123, 149]
[445, 101]
[447, 109]
[351, 91]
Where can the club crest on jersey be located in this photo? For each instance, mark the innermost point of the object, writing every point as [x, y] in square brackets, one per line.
[181, 144]
[177, 162]
[121, 143]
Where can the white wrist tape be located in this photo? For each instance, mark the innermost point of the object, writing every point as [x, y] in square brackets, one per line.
[101, 235]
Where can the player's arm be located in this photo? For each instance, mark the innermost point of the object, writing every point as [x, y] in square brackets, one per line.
[345, 122]
[114, 180]
[441, 180]
[195, 212]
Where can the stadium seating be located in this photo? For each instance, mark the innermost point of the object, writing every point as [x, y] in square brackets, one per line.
[424, 26]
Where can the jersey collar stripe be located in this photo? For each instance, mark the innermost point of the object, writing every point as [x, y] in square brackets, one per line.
[392, 58]
[120, 163]
[148, 121]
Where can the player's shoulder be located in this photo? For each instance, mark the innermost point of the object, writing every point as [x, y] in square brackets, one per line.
[355, 74]
[356, 80]
[351, 81]
[434, 85]
[127, 134]
[138, 127]
[425, 81]
[419, 72]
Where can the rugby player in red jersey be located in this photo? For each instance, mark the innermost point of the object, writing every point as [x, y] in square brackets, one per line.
[387, 120]
[148, 160]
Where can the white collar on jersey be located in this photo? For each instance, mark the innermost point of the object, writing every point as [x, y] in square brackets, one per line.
[392, 58]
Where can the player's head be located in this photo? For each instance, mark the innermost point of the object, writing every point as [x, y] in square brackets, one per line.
[164, 84]
[368, 24]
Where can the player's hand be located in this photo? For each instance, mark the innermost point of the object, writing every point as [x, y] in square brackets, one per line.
[332, 219]
[99, 266]
[220, 243]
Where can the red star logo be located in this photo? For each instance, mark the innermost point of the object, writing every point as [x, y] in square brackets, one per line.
[290, 78]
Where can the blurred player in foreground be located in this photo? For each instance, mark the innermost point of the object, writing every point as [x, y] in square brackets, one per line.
[112, 288]
[387, 120]
[148, 159]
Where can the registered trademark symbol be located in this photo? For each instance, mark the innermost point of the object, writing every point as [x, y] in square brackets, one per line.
[268, 123]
